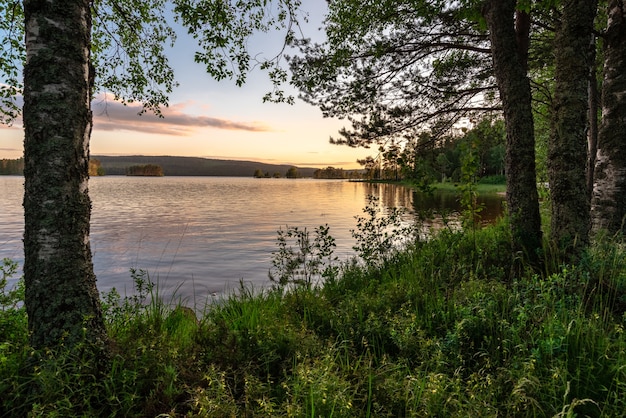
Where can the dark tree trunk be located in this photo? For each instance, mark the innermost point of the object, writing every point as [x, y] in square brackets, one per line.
[608, 208]
[508, 47]
[567, 152]
[61, 296]
[592, 140]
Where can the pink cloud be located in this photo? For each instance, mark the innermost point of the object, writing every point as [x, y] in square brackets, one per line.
[109, 115]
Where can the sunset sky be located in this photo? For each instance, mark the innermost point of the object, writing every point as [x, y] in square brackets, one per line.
[216, 119]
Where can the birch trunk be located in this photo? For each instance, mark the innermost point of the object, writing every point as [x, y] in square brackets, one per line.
[567, 152]
[608, 207]
[61, 296]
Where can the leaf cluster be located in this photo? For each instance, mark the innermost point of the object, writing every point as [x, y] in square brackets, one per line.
[128, 51]
[12, 53]
[224, 28]
[393, 68]
[301, 260]
[130, 38]
[380, 235]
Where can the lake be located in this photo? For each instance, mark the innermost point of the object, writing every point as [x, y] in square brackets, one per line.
[200, 236]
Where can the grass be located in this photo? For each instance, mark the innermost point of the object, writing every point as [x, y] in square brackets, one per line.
[440, 329]
[479, 188]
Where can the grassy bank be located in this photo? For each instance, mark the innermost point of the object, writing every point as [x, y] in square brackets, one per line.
[438, 330]
[452, 187]
[479, 188]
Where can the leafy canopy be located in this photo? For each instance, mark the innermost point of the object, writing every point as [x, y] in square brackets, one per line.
[393, 68]
[130, 37]
[223, 29]
[12, 51]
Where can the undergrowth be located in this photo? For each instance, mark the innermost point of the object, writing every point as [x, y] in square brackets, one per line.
[437, 329]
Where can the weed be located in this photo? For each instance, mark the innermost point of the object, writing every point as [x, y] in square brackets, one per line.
[302, 261]
[11, 298]
[379, 235]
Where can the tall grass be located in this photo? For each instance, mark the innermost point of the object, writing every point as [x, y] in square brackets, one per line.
[438, 329]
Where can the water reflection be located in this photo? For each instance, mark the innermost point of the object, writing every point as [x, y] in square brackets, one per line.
[437, 209]
[202, 235]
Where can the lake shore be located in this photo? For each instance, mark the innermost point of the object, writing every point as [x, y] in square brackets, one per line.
[448, 187]
[440, 329]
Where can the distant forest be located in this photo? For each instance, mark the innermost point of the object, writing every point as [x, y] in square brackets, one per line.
[192, 166]
[12, 167]
[146, 170]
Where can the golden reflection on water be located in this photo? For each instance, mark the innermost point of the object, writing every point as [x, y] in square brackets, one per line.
[202, 235]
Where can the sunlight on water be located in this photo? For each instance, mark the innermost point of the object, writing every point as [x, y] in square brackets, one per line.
[199, 236]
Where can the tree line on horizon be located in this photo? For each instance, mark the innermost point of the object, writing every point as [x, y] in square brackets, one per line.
[321, 173]
[149, 170]
[12, 166]
[423, 160]
[291, 173]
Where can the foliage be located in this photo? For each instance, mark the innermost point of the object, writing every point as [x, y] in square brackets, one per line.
[379, 235]
[423, 160]
[11, 56]
[130, 39]
[467, 187]
[120, 311]
[8, 166]
[128, 51]
[9, 299]
[95, 167]
[310, 262]
[292, 173]
[440, 330]
[13, 325]
[330, 173]
[393, 68]
[223, 30]
[13, 331]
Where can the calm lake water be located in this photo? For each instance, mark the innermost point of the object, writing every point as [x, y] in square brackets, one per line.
[199, 236]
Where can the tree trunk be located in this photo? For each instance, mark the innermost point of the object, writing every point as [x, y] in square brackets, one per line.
[592, 140]
[509, 52]
[608, 208]
[61, 295]
[567, 151]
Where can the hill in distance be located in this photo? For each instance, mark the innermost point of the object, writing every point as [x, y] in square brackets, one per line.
[195, 166]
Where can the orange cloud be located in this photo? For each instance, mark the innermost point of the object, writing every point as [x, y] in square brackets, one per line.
[110, 115]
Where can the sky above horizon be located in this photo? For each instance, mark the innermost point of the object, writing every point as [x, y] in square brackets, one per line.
[213, 119]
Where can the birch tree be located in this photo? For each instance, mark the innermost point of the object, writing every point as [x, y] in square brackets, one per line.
[61, 299]
[608, 209]
[61, 295]
[73, 47]
[567, 156]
